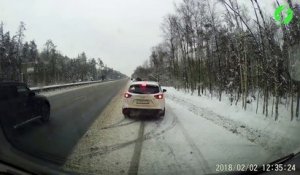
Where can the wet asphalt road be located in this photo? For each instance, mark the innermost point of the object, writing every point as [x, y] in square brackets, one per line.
[72, 113]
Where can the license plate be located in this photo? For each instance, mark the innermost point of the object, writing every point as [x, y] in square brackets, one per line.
[142, 101]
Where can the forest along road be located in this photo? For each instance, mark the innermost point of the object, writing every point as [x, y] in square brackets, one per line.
[72, 113]
[181, 142]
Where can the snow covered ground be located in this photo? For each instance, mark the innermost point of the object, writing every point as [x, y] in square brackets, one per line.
[195, 136]
[281, 137]
[195, 145]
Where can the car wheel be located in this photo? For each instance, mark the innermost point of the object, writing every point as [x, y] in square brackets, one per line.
[45, 113]
[127, 115]
[163, 112]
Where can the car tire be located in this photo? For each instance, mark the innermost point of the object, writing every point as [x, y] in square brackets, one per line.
[163, 113]
[126, 113]
[45, 112]
[127, 116]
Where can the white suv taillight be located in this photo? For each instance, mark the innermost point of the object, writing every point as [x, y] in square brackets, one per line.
[127, 95]
[159, 96]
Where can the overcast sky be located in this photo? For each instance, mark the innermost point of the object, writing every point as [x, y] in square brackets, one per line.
[121, 32]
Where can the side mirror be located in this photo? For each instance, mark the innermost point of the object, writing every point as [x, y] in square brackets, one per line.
[31, 94]
[164, 90]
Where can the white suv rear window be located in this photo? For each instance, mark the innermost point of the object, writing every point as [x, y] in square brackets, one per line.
[140, 89]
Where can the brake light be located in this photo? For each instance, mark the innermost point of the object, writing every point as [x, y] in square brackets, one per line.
[159, 96]
[127, 95]
[144, 84]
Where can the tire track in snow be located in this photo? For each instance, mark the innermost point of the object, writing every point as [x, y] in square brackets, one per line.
[135, 160]
[199, 156]
[153, 133]
[118, 124]
[177, 166]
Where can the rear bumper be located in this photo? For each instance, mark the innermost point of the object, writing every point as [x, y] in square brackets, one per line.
[143, 107]
[127, 111]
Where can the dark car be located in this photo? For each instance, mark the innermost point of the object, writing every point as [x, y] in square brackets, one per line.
[19, 105]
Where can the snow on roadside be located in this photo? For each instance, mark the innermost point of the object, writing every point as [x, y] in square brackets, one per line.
[280, 137]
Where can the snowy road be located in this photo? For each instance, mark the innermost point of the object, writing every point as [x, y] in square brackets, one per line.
[73, 111]
[182, 142]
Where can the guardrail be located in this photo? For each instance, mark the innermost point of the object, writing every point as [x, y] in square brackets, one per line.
[54, 87]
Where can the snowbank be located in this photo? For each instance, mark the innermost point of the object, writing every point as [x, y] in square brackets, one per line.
[280, 137]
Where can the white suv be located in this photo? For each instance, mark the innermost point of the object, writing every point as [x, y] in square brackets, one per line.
[144, 96]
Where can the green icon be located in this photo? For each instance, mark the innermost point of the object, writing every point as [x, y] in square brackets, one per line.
[288, 15]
